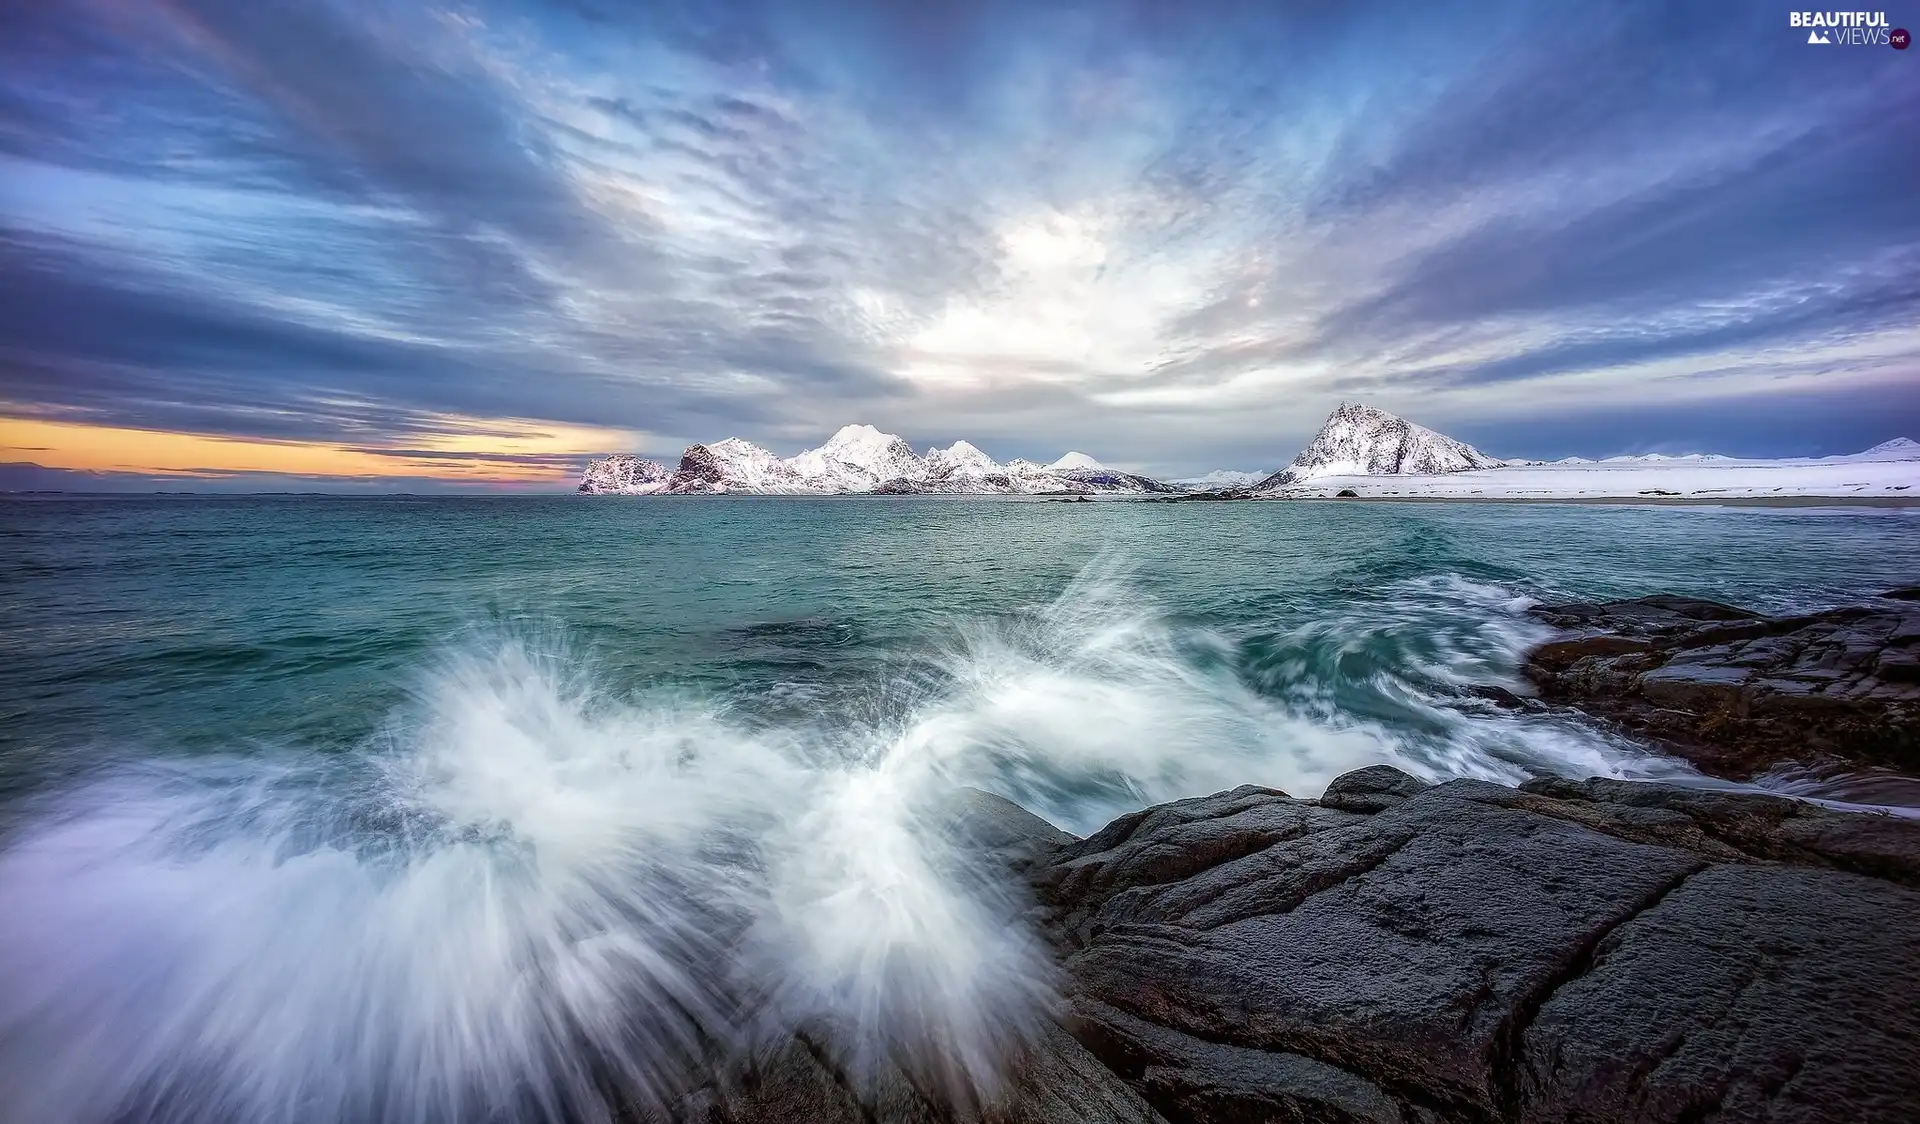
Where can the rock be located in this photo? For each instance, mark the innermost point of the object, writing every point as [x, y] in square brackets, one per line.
[1498, 696]
[1720, 1003]
[1594, 951]
[1198, 1080]
[1908, 593]
[1737, 692]
[1736, 826]
[1372, 789]
[1003, 830]
[1048, 1078]
[1053, 1079]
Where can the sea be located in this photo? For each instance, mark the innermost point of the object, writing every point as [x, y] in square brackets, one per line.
[421, 809]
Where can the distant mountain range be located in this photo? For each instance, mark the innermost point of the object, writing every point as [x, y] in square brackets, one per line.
[859, 459]
[1358, 449]
[1218, 480]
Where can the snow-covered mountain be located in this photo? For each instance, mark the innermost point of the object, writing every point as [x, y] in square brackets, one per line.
[961, 469]
[734, 465]
[1359, 440]
[1360, 450]
[961, 459]
[861, 459]
[623, 474]
[1898, 449]
[1076, 460]
[1220, 479]
[1079, 468]
[1890, 470]
[1103, 480]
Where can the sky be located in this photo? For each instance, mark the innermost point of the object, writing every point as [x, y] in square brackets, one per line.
[410, 245]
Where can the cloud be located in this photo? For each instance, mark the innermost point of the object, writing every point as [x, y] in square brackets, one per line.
[1158, 231]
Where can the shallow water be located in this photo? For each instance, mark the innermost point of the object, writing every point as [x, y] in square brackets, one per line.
[429, 809]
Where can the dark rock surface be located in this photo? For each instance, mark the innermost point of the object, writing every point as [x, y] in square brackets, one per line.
[1054, 1080]
[698, 465]
[1598, 951]
[1738, 693]
[1565, 951]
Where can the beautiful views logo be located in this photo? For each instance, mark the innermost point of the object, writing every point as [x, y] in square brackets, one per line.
[1853, 29]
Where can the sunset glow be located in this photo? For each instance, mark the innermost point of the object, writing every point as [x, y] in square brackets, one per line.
[471, 450]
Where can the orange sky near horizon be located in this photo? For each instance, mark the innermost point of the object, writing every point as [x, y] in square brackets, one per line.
[470, 450]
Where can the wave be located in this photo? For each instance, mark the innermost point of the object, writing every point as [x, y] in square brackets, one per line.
[537, 898]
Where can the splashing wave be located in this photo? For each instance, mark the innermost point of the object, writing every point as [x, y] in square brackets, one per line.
[537, 899]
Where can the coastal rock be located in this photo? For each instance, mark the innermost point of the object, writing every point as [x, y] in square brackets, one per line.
[1595, 951]
[1053, 1080]
[1737, 692]
[1598, 951]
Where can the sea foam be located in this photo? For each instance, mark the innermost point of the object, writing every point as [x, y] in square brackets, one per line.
[536, 897]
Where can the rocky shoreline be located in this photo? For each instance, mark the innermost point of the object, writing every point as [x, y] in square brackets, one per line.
[1737, 692]
[1396, 952]
[1400, 952]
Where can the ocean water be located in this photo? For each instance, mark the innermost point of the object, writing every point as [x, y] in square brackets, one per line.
[437, 809]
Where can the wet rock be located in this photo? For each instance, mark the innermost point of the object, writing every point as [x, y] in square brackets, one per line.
[1720, 1004]
[1047, 1077]
[1201, 1081]
[1498, 696]
[1372, 789]
[1594, 951]
[1052, 1079]
[1737, 692]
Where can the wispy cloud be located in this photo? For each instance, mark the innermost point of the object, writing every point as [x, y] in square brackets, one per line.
[1171, 235]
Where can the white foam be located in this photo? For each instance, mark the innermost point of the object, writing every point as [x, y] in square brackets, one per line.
[532, 885]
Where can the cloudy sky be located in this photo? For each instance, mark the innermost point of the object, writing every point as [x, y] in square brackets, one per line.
[398, 242]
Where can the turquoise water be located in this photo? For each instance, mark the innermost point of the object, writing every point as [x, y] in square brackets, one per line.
[182, 625]
[377, 809]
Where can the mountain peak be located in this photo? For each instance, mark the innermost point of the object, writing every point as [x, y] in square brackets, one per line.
[1900, 448]
[962, 458]
[1076, 461]
[861, 438]
[1362, 440]
[858, 458]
